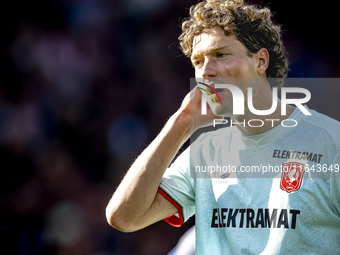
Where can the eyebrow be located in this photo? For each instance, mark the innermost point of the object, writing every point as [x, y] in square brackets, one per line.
[210, 50]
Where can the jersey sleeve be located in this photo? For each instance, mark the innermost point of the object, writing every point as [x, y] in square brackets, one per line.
[177, 187]
[335, 185]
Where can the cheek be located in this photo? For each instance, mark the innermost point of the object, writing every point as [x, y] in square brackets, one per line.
[198, 73]
[226, 97]
[234, 69]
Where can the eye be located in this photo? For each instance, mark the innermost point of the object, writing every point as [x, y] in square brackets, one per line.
[197, 63]
[220, 54]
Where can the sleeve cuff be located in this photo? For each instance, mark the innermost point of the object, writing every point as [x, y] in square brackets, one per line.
[175, 220]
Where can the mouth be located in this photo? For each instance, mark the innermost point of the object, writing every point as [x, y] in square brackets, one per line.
[217, 91]
[211, 90]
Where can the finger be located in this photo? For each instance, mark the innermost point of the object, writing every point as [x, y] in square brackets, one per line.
[195, 93]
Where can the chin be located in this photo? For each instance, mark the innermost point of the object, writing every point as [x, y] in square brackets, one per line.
[220, 111]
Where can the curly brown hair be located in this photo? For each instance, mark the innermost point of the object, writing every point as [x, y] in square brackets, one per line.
[251, 25]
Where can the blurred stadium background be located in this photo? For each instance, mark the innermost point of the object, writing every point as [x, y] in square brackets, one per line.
[85, 85]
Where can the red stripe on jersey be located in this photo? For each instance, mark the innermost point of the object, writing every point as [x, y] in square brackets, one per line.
[173, 220]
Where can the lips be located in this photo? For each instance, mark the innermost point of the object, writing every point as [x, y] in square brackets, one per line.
[218, 90]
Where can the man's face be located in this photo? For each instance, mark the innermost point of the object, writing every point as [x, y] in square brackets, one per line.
[217, 58]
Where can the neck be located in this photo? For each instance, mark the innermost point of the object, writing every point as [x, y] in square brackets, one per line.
[251, 124]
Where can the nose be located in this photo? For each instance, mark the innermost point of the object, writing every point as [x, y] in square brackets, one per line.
[208, 69]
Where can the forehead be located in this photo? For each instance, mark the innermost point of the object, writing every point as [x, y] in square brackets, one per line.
[213, 38]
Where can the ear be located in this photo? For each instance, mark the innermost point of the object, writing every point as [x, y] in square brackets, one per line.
[263, 60]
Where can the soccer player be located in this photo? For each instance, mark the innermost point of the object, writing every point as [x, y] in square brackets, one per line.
[262, 186]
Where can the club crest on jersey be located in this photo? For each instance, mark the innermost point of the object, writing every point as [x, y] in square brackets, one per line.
[291, 176]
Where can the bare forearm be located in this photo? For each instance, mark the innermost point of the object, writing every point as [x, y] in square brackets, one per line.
[136, 193]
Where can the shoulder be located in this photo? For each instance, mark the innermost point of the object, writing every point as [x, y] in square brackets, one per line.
[218, 134]
[324, 125]
[210, 141]
[217, 137]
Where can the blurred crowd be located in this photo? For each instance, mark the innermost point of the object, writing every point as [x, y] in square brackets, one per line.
[85, 85]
